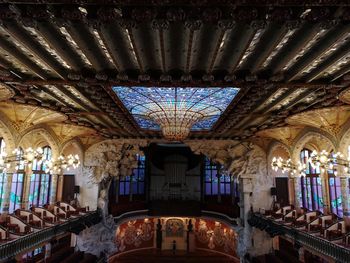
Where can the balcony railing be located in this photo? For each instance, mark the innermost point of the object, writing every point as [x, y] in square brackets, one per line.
[12, 248]
[322, 246]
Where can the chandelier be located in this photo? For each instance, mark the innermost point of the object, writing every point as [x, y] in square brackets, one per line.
[318, 160]
[176, 111]
[20, 159]
[286, 165]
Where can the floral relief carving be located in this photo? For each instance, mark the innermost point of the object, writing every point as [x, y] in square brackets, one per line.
[98, 238]
[108, 159]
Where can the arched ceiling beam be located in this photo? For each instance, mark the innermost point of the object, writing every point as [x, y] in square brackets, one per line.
[236, 42]
[147, 45]
[342, 51]
[23, 59]
[331, 36]
[204, 47]
[292, 47]
[267, 42]
[85, 39]
[26, 39]
[58, 42]
[116, 40]
[341, 72]
[175, 45]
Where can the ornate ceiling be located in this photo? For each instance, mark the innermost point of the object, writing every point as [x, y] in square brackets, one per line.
[67, 57]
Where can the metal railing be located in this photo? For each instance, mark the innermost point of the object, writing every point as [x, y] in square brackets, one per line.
[17, 246]
[320, 245]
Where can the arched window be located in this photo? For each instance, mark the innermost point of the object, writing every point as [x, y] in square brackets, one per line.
[311, 184]
[17, 183]
[135, 183]
[216, 181]
[2, 174]
[39, 192]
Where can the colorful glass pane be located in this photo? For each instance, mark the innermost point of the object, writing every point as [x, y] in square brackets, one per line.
[212, 181]
[136, 179]
[335, 195]
[40, 180]
[200, 106]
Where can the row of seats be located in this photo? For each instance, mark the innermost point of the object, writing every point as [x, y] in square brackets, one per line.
[327, 226]
[23, 222]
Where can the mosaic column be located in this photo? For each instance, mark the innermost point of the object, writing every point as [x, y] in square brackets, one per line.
[344, 183]
[5, 204]
[325, 195]
[297, 191]
[26, 186]
[59, 188]
[53, 187]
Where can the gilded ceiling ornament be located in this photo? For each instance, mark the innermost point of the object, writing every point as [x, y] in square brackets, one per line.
[5, 92]
[344, 96]
[328, 119]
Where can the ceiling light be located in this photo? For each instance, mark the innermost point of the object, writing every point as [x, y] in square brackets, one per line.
[176, 111]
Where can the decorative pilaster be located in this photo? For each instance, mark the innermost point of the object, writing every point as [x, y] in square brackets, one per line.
[344, 183]
[26, 186]
[297, 191]
[53, 187]
[325, 195]
[60, 180]
[7, 192]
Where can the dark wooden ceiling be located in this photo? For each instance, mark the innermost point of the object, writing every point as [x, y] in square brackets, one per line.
[286, 57]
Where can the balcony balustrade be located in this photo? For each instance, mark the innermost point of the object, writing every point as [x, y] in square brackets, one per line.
[301, 238]
[15, 247]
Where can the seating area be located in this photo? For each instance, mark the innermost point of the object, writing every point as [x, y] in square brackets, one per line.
[326, 226]
[23, 222]
[61, 251]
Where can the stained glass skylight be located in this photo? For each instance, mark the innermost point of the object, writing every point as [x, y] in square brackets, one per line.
[176, 110]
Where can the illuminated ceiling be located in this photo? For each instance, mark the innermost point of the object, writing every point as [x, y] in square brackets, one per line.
[66, 56]
[176, 109]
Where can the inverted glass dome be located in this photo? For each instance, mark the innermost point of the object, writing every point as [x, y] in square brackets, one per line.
[176, 110]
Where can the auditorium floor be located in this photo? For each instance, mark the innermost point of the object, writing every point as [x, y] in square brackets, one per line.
[153, 256]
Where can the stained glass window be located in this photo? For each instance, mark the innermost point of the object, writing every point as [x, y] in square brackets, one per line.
[2, 174]
[40, 180]
[17, 184]
[311, 184]
[214, 176]
[200, 106]
[335, 195]
[135, 183]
